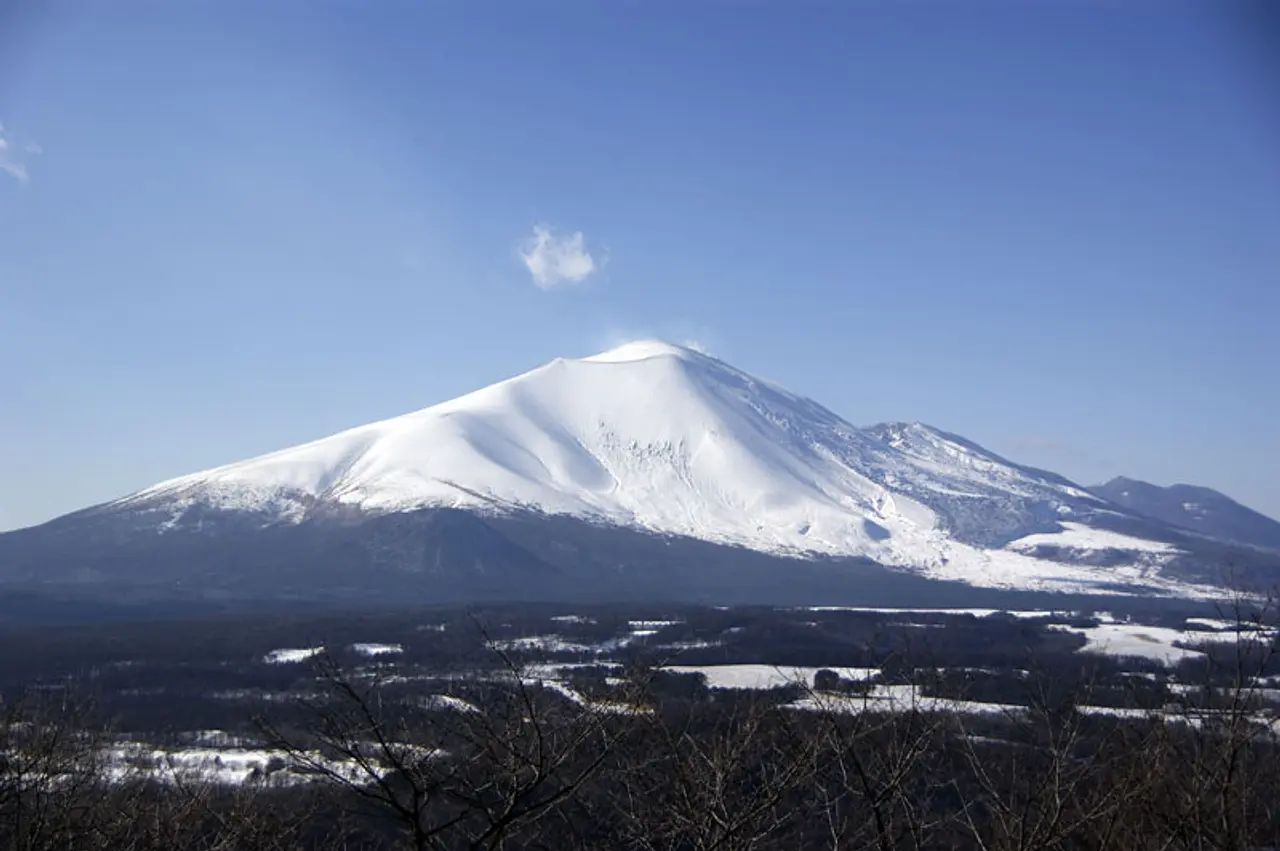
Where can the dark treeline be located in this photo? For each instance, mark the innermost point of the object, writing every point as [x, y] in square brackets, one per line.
[156, 678]
[467, 738]
[369, 760]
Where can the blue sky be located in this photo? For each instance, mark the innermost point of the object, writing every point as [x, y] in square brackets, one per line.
[228, 227]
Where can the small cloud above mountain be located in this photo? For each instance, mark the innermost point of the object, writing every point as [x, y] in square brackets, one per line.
[553, 260]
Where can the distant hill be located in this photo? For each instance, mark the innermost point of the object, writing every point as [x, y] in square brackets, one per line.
[1199, 509]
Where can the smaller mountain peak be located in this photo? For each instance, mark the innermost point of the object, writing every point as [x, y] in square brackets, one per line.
[1119, 481]
[637, 350]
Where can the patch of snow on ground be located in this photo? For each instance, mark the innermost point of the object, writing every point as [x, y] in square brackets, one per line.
[369, 649]
[1016, 570]
[289, 655]
[898, 698]
[559, 686]
[558, 644]
[765, 676]
[977, 613]
[1158, 643]
[693, 644]
[1077, 536]
[1146, 642]
[547, 643]
[1221, 625]
[218, 739]
[447, 701]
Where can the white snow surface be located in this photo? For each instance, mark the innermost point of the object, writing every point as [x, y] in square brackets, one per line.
[290, 655]
[373, 649]
[670, 440]
[1147, 642]
[1158, 643]
[885, 697]
[449, 702]
[977, 613]
[748, 676]
[1077, 536]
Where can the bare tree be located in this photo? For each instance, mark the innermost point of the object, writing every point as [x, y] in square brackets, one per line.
[729, 773]
[1060, 780]
[457, 774]
[1219, 769]
[877, 783]
[51, 772]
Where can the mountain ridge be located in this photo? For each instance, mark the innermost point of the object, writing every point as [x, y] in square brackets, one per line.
[651, 437]
[1195, 508]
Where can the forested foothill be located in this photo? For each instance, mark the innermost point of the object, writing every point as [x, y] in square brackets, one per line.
[1140, 725]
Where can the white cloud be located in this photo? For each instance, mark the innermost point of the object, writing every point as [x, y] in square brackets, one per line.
[556, 260]
[12, 156]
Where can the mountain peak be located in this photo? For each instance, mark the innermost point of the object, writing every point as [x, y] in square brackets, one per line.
[638, 350]
[1122, 482]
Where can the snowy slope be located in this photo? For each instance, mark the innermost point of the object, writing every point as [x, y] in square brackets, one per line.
[666, 439]
[647, 434]
[964, 482]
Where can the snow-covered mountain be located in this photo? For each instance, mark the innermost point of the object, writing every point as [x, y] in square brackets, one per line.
[661, 439]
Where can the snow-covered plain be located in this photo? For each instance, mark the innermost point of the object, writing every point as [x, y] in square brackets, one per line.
[666, 439]
[977, 613]
[910, 698]
[764, 676]
[884, 697]
[1157, 643]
